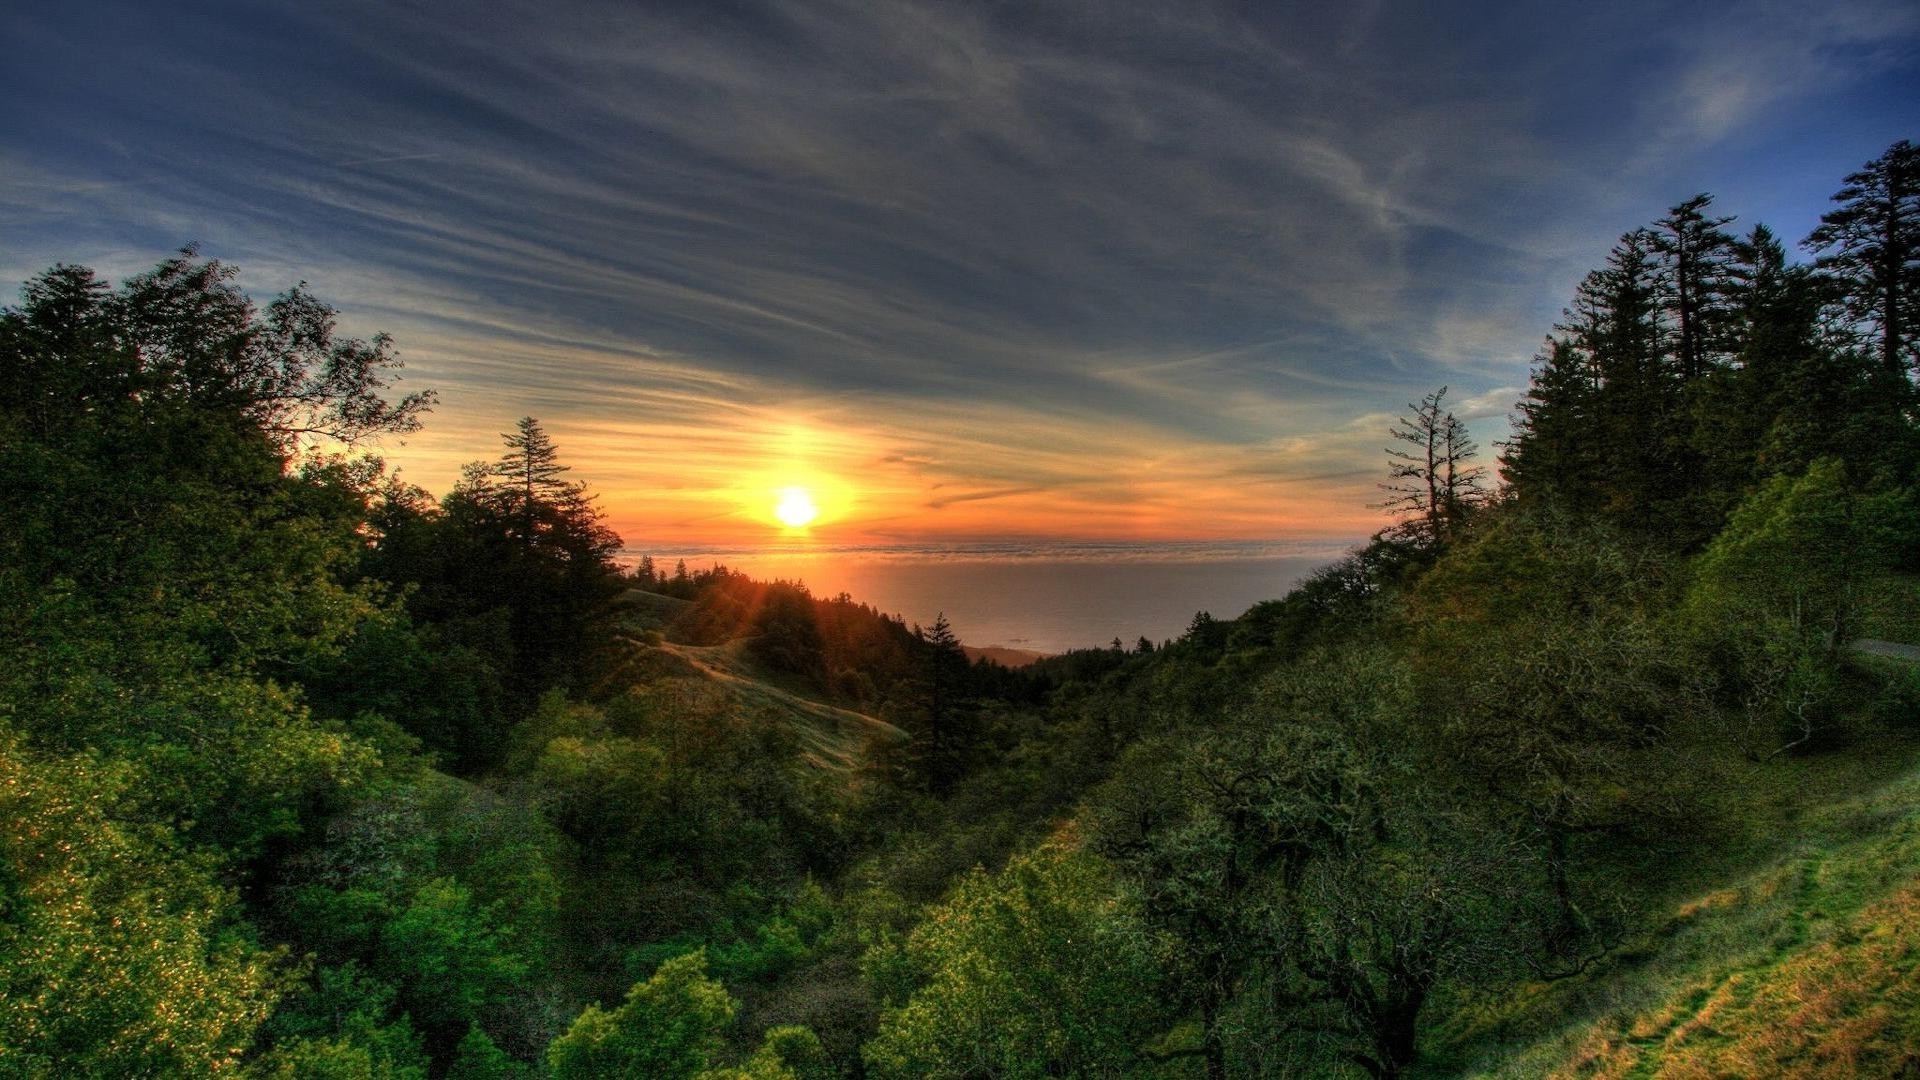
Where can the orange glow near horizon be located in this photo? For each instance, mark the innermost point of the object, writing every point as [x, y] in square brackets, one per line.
[718, 468]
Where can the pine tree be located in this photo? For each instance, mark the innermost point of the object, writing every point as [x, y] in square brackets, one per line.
[1603, 427]
[527, 540]
[531, 464]
[948, 722]
[1555, 446]
[1693, 255]
[1870, 246]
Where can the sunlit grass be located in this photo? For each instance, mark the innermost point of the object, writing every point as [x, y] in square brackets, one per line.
[1807, 966]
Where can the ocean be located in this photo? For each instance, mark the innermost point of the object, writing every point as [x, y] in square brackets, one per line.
[1045, 597]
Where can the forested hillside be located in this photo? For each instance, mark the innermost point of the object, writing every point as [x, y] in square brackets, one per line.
[1575, 769]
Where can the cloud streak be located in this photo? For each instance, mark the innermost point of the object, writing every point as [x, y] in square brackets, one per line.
[1070, 269]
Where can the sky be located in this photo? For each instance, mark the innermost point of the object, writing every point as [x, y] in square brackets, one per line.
[963, 271]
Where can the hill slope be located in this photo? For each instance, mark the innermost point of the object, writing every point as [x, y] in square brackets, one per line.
[831, 737]
[1808, 966]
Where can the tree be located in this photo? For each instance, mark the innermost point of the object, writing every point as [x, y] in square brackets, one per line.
[1540, 672]
[516, 543]
[1312, 885]
[669, 1028]
[1870, 246]
[1773, 324]
[1607, 426]
[1802, 550]
[1037, 971]
[938, 712]
[477, 1058]
[448, 958]
[528, 484]
[1555, 450]
[1694, 255]
[1434, 482]
[118, 957]
[183, 335]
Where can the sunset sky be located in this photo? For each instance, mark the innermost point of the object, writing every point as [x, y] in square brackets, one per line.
[960, 270]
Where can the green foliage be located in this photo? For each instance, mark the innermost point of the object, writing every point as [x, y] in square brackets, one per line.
[788, 1053]
[355, 1056]
[1041, 970]
[669, 1027]
[477, 1058]
[447, 956]
[1801, 549]
[1778, 596]
[601, 790]
[119, 955]
[341, 1024]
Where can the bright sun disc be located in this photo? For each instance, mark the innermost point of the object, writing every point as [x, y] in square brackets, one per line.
[796, 508]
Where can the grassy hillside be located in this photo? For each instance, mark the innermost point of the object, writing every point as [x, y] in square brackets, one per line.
[1805, 964]
[830, 737]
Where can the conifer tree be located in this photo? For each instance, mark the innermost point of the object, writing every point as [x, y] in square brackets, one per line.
[1606, 402]
[1693, 255]
[531, 465]
[1555, 445]
[1870, 246]
[949, 728]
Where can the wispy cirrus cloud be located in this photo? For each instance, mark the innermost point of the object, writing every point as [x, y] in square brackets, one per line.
[1069, 269]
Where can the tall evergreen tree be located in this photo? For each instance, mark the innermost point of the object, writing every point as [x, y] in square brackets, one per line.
[949, 721]
[1605, 426]
[1693, 254]
[531, 464]
[1870, 245]
[1772, 330]
[1556, 442]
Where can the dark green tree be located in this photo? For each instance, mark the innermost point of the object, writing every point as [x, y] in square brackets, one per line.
[514, 566]
[951, 719]
[183, 336]
[1870, 246]
[1694, 255]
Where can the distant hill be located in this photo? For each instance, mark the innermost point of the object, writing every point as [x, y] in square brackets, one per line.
[1005, 657]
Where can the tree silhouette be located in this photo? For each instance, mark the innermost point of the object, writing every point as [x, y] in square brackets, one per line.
[1694, 256]
[1434, 482]
[1870, 245]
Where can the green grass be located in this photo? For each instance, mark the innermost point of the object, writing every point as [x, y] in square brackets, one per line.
[641, 611]
[1804, 962]
[831, 737]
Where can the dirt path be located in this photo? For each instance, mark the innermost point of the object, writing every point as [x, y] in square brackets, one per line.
[1892, 649]
[833, 736]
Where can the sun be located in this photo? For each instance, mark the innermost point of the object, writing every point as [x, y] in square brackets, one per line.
[795, 509]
